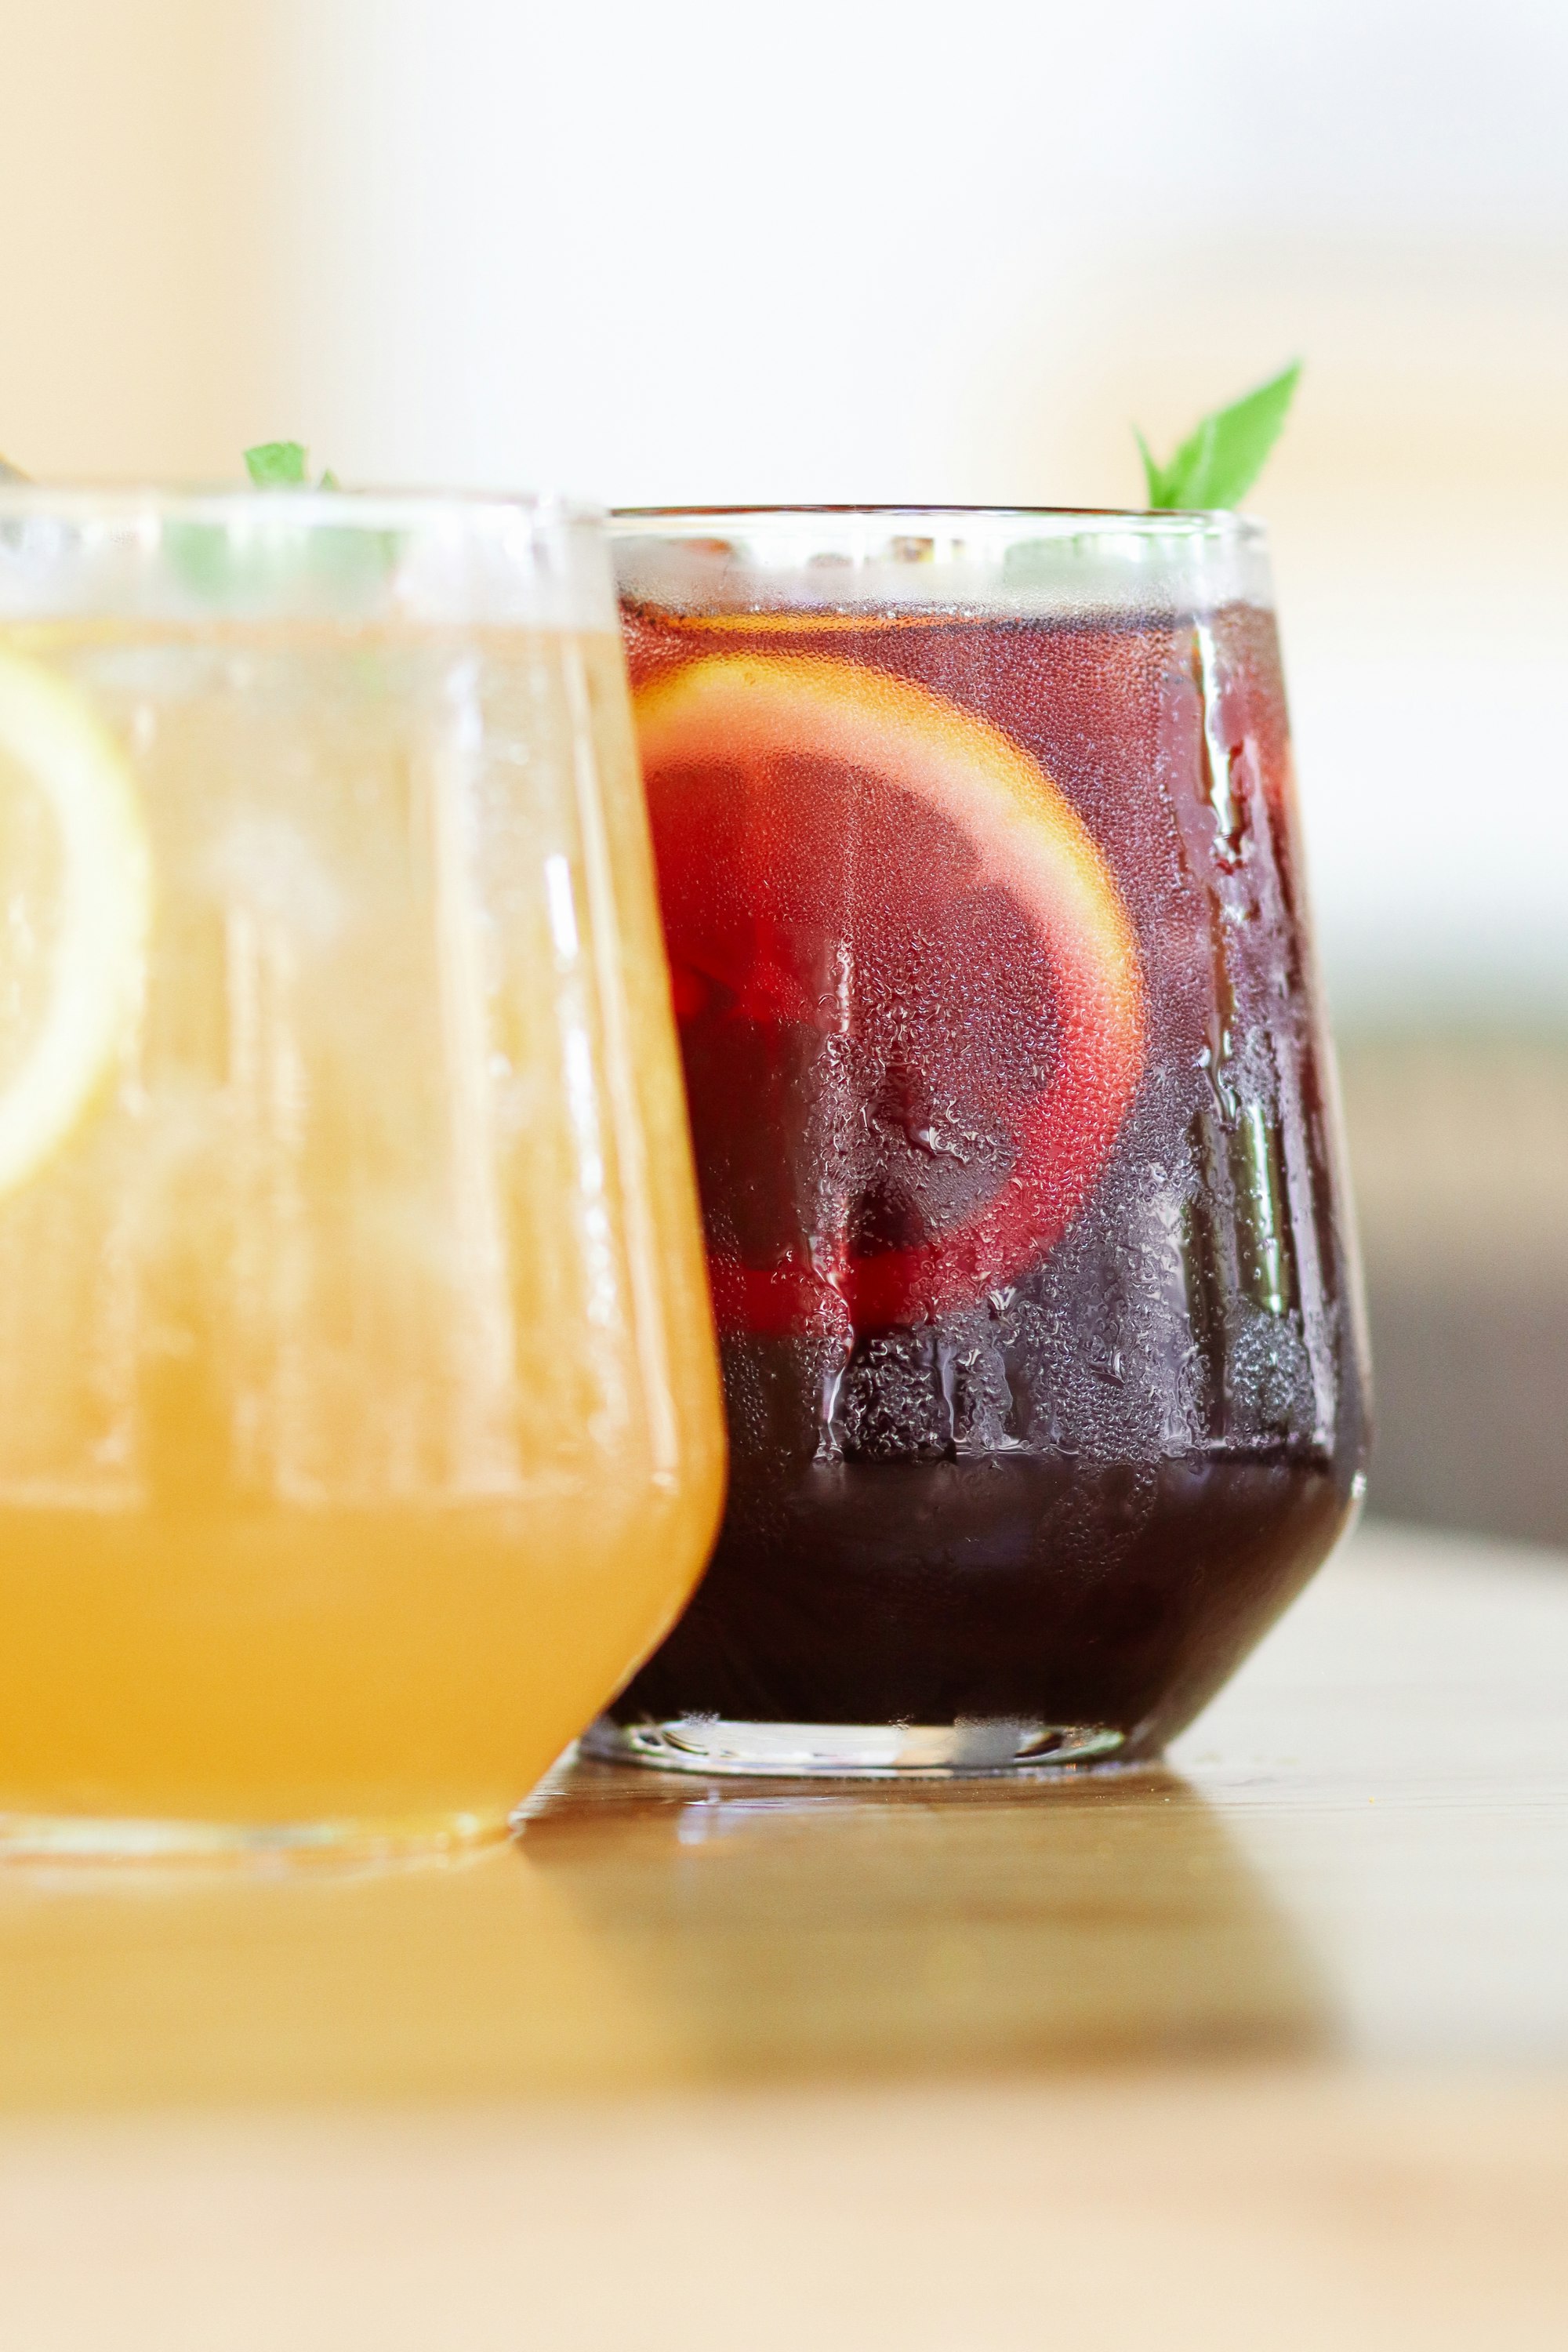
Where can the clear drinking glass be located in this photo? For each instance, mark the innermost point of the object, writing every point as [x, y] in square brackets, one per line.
[1014, 1116]
[359, 1418]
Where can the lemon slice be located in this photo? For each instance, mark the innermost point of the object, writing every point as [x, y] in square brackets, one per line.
[75, 907]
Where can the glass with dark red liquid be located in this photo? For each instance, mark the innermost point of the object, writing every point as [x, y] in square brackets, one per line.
[1014, 1124]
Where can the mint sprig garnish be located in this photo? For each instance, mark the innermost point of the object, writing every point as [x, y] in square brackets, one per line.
[284, 466]
[341, 565]
[1221, 458]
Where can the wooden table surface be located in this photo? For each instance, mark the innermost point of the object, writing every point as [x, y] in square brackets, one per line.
[1268, 2049]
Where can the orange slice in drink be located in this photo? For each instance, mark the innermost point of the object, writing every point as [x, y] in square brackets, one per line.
[911, 997]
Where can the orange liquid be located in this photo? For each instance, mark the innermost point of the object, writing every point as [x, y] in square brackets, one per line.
[359, 1421]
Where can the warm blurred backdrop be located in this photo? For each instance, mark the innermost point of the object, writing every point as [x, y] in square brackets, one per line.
[887, 249]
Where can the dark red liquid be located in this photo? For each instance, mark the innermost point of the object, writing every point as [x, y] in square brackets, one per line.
[1073, 1481]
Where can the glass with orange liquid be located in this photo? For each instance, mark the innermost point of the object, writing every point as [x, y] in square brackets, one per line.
[359, 1420]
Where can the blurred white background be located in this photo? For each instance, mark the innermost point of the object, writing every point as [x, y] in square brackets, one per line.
[887, 249]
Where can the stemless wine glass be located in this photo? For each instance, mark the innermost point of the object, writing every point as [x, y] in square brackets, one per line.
[359, 1416]
[977, 853]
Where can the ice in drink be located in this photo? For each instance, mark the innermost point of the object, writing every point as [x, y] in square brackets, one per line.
[980, 875]
[358, 1422]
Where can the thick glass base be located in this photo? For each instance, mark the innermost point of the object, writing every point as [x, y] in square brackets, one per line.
[851, 1751]
[107, 1838]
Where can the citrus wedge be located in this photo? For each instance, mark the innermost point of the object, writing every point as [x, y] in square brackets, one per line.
[910, 995]
[75, 905]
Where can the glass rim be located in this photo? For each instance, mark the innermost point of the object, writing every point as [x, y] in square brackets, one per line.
[224, 504]
[1155, 522]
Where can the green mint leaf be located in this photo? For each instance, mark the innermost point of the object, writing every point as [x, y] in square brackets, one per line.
[277, 465]
[342, 569]
[1221, 458]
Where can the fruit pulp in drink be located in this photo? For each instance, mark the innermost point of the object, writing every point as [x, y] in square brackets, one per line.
[358, 1422]
[1015, 1145]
